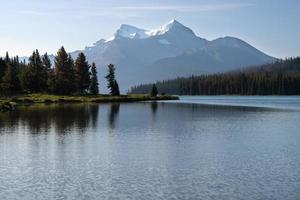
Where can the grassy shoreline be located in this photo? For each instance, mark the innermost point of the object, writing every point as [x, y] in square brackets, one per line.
[9, 103]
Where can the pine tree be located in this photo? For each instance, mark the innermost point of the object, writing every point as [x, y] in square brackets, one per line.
[110, 77]
[46, 62]
[154, 91]
[2, 68]
[71, 75]
[94, 85]
[7, 59]
[51, 81]
[37, 74]
[60, 64]
[10, 82]
[64, 73]
[24, 78]
[116, 90]
[50, 73]
[82, 74]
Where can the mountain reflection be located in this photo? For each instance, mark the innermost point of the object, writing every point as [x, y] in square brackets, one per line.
[43, 118]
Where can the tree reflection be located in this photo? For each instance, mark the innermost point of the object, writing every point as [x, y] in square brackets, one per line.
[113, 114]
[41, 118]
[154, 106]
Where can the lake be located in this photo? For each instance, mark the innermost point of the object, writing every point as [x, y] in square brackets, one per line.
[195, 148]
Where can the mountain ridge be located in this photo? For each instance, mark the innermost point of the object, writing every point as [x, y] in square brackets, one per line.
[169, 51]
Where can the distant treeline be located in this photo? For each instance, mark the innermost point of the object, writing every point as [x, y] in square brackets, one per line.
[279, 78]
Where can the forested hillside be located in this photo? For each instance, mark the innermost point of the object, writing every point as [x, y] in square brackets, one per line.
[279, 78]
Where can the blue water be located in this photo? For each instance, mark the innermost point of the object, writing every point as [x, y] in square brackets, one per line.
[195, 148]
[281, 102]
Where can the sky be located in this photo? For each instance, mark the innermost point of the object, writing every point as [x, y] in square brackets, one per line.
[272, 26]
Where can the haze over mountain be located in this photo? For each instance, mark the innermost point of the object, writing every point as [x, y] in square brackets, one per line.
[173, 50]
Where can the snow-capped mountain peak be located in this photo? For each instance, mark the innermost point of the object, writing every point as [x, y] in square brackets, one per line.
[173, 26]
[171, 51]
[173, 23]
[132, 32]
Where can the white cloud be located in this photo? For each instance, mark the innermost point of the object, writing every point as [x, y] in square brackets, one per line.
[127, 11]
[180, 8]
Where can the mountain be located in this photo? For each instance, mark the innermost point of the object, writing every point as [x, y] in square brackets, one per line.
[170, 51]
[219, 55]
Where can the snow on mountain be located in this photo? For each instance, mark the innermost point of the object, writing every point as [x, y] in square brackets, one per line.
[132, 32]
[172, 26]
[171, 51]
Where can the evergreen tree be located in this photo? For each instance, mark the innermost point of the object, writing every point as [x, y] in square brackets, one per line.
[46, 62]
[71, 75]
[7, 59]
[154, 91]
[64, 73]
[2, 68]
[24, 78]
[110, 77]
[82, 74]
[51, 81]
[94, 85]
[50, 73]
[36, 80]
[10, 82]
[116, 90]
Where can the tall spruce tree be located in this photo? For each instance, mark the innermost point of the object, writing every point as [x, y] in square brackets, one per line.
[154, 91]
[116, 90]
[10, 83]
[50, 73]
[82, 70]
[110, 77]
[46, 62]
[2, 68]
[24, 78]
[64, 73]
[51, 81]
[94, 85]
[71, 74]
[37, 74]
[7, 59]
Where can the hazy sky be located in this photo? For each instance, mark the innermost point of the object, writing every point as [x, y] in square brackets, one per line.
[272, 26]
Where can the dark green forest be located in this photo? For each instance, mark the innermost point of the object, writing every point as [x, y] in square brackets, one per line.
[279, 78]
[65, 77]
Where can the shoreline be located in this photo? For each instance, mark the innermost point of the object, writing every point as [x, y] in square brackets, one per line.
[9, 103]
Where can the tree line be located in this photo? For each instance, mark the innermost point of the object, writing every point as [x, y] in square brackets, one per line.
[65, 77]
[279, 78]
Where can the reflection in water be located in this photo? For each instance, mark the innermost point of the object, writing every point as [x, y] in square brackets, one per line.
[41, 118]
[64, 118]
[113, 114]
[94, 112]
[154, 107]
[189, 152]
